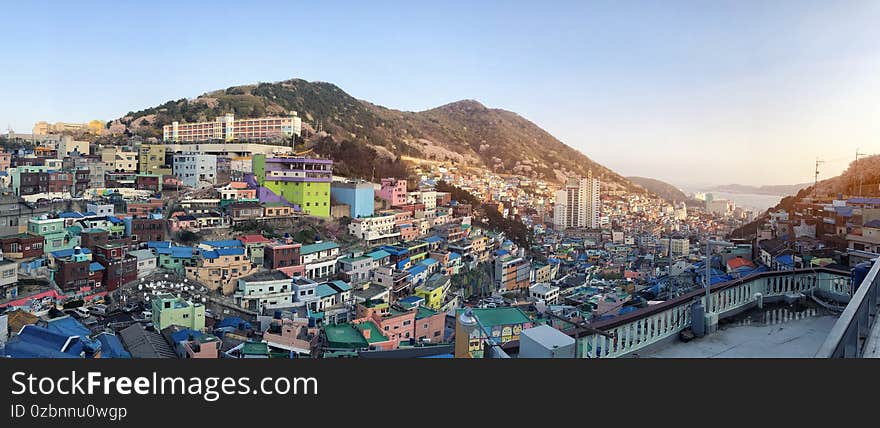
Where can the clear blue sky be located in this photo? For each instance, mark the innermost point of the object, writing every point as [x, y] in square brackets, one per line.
[686, 91]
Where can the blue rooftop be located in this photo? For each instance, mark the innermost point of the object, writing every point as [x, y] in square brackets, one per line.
[111, 347]
[873, 224]
[380, 254]
[95, 266]
[411, 300]
[39, 342]
[874, 201]
[228, 243]
[234, 322]
[213, 254]
[785, 259]
[417, 269]
[394, 251]
[177, 252]
[68, 252]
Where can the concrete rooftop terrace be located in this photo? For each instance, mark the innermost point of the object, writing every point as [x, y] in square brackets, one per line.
[776, 331]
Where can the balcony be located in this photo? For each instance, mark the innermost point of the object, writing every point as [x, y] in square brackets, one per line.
[856, 334]
[745, 318]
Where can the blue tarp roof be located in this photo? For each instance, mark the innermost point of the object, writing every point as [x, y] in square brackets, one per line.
[785, 259]
[158, 244]
[432, 239]
[111, 347]
[70, 214]
[234, 322]
[184, 334]
[95, 266]
[453, 255]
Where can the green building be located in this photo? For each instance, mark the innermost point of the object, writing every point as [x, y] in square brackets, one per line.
[302, 181]
[55, 235]
[170, 310]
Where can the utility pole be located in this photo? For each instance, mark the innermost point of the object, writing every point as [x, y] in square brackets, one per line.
[816, 177]
[860, 171]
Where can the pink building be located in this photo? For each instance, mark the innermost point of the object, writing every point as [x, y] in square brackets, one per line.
[5, 160]
[393, 191]
[430, 325]
[408, 232]
[202, 347]
[292, 335]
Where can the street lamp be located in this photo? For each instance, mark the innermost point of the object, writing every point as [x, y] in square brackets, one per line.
[709, 244]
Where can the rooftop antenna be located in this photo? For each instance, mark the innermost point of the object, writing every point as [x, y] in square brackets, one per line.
[816, 177]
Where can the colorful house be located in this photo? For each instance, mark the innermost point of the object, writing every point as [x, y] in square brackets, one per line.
[503, 325]
[170, 310]
[301, 181]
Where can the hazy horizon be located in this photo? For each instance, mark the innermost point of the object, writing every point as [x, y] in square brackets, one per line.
[686, 92]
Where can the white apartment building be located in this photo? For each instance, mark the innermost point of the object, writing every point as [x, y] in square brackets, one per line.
[547, 293]
[265, 290]
[578, 204]
[680, 246]
[375, 228]
[195, 168]
[228, 128]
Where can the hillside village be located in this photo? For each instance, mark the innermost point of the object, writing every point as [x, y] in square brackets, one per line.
[236, 238]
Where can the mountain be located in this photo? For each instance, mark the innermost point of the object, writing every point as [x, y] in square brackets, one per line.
[861, 178]
[662, 189]
[774, 190]
[369, 140]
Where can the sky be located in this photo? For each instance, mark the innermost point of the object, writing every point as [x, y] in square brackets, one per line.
[690, 92]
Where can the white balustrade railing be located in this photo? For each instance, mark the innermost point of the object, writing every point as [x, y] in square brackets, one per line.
[636, 330]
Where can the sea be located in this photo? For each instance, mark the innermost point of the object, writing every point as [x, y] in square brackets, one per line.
[754, 202]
